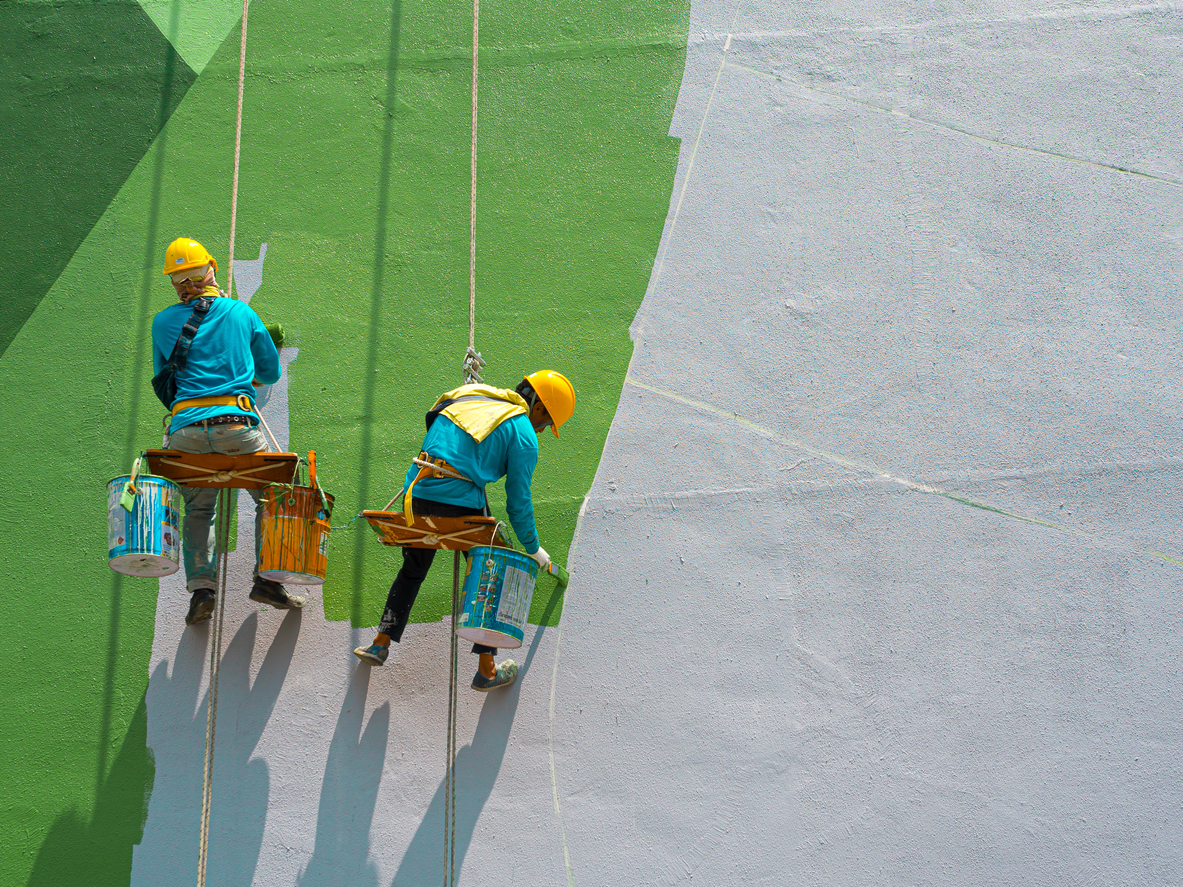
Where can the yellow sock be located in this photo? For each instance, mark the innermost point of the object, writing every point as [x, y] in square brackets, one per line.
[382, 640]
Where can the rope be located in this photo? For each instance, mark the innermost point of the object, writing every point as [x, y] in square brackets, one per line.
[222, 541]
[259, 413]
[237, 152]
[345, 525]
[222, 525]
[444, 470]
[450, 777]
[471, 370]
[476, 7]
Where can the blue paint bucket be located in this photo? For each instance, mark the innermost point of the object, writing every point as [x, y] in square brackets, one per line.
[497, 590]
[147, 540]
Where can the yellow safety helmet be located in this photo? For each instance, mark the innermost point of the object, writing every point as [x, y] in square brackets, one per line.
[185, 253]
[557, 395]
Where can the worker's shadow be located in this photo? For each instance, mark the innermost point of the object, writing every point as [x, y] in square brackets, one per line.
[241, 782]
[349, 793]
[477, 766]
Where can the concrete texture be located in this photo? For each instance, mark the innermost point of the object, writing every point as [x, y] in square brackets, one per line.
[907, 272]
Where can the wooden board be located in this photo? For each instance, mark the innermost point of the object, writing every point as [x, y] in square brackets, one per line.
[217, 470]
[429, 531]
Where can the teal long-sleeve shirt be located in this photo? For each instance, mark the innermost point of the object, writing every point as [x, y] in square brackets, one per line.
[231, 349]
[510, 451]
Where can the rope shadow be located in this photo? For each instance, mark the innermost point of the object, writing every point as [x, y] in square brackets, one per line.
[365, 454]
[241, 782]
[477, 767]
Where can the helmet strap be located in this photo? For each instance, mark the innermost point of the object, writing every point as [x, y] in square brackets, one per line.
[529, 395]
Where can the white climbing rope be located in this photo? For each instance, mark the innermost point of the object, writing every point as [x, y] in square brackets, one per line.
[274, 443]
[471, 369]
[450, 776]
[222, 531]
[237, 153]
[476, 8]
[222, 542]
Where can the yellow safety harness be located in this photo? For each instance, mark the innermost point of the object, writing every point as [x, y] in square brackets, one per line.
[428, 467]
[227, 400]
[475, 408]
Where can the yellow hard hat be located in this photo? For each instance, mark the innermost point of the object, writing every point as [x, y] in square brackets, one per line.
[557, 395]
[185, 253]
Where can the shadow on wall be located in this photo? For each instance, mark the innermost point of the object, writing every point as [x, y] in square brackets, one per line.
[365, 453]
[477, 766]
[349, 794]
[242, 784]
[99, 851]
[115, 827]
[66, 152]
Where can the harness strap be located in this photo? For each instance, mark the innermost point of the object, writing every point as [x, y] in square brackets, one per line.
[227, 400]
[180, 356]
[428, 467]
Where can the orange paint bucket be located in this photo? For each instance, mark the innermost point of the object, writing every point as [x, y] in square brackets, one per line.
[295, 534]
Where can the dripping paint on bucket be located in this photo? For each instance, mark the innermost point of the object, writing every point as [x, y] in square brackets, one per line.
[145, 541]
[498, 586]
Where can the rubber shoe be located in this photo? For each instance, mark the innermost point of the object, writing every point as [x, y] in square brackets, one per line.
[372, 655]
[507, 673]
[264, 591]
[201, 606]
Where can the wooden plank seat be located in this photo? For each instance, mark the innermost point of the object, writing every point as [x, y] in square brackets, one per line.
[218, 470]
[430, 531]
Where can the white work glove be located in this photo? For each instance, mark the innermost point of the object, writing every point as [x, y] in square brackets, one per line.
[542, 557]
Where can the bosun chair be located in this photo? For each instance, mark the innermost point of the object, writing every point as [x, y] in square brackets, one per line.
[429, 531]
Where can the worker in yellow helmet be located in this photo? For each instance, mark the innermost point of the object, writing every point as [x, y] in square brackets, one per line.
[207, 351]
[483, 434]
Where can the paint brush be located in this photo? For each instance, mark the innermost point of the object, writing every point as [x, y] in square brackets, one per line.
[128, 498]
[561, 575]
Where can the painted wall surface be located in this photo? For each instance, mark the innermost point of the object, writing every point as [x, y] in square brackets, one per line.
[875, 578]
[355, 174]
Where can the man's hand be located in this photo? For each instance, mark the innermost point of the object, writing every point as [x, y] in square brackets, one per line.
[542, 557]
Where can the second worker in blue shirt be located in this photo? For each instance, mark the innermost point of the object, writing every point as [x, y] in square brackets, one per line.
[483, 434]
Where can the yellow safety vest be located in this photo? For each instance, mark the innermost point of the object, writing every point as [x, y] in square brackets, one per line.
[478, 409]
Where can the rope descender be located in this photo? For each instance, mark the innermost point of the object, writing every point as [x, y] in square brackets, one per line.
[471, 366]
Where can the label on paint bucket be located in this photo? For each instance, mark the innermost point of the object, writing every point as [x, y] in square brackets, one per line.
[516, 589]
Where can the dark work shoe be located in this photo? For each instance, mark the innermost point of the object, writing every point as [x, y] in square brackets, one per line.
[201, 606]
[267, 592]
[507, 673]
[372, 655]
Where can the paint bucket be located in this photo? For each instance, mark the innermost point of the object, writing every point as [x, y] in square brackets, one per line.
[295, 535]
[145, 541]
[498, 586]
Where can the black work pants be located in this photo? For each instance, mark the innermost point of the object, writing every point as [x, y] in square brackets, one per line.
[416, 563]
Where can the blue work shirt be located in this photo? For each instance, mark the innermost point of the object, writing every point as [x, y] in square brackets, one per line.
[510, 451]
[231, 349]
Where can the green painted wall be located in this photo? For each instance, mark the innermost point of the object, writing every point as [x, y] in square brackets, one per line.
[86, 87]
[355, 172]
